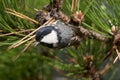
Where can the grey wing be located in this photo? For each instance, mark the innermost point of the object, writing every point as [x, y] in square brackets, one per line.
[66, 33]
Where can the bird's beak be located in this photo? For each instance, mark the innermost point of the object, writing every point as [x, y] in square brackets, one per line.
[36, 43]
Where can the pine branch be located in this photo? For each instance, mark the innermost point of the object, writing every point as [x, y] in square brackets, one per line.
[52, 12]
[93, 34]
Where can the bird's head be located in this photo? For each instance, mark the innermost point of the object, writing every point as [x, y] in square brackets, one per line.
[47, 36]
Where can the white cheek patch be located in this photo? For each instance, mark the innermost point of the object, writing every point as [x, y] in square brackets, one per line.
[50, 38]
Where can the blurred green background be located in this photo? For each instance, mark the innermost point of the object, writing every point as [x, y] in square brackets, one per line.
[41, 63]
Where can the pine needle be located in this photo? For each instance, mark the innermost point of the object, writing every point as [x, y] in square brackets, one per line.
[26, 47]
[17, 32]
[72, 6]
[28, 37]
[13, 12]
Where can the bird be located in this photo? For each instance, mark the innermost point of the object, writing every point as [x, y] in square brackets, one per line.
[57, 35]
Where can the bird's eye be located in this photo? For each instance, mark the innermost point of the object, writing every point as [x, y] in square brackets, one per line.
[41, 36]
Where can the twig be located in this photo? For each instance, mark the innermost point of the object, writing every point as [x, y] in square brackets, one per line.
[54, 4]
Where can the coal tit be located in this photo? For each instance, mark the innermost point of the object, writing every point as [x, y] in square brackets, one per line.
[55, 35]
